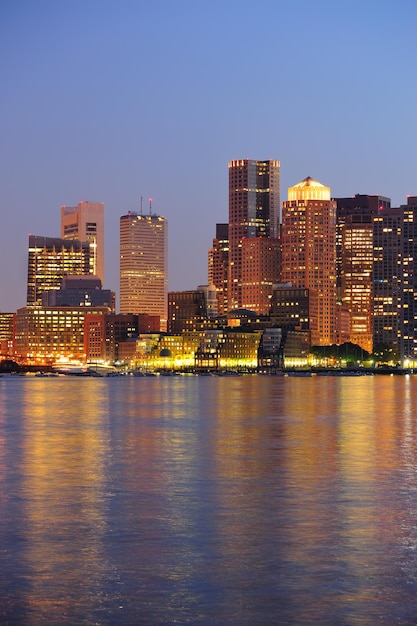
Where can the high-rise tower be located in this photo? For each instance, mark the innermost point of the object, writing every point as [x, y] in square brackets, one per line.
[254, 211]
[85, 222]
[218, 265]
[309, 253]
[143, 265]
[357, 258]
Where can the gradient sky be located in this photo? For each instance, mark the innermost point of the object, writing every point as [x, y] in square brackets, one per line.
[108, 101]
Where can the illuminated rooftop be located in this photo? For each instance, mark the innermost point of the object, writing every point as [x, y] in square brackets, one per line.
[309, 189]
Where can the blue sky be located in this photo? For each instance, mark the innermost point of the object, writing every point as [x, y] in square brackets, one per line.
[108, 101]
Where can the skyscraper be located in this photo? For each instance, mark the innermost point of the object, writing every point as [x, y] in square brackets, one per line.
[408, 315]
[309, 253]
[386, 274]
[143, 265]
[357, 205]
[218, 265]
[356, 277]
[50, 260]
[85, 222]
[254, 211]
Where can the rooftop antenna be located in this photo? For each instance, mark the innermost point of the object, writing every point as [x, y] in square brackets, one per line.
[141, 200]
[150, 206]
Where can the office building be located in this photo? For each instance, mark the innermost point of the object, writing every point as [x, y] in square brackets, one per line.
[408, 311]
[357, 255]
[50, 260]
[7, 334]
[358, 205]
[47, 334]
[387, 269]
[143, 265]
[290, 307]
[191, 310]
[254, 211]
[85, 222]
[309, 253]
[218, 265]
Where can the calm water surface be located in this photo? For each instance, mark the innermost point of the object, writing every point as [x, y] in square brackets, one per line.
[208, 500]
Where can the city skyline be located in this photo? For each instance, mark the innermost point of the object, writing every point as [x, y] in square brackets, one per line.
[155, 100]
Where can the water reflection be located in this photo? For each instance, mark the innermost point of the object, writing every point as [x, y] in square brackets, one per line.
[247, 500]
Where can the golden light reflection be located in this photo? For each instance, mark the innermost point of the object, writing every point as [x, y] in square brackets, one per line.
[64, 482]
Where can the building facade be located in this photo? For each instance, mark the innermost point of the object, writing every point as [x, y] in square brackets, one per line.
[309, 253]
[143, 265]
[80, 291]
[218, 265]
[50, 260]
[85, 222]
[386, 275]
[408, 312]
[260, 270]
[47, 334]
[254, 211]
[7, 334]
[354, 206]
[357, 255]
[290, 307]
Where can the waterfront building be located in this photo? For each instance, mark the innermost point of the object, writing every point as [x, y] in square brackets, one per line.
[187, 311]
[113, 337]
[228, 349]
[218, 265]
[85, 222]
[103, 336]
[270, 350]
[386, 274]
[296, 347]
[309, 253]
[80, 291]
[408, 311]
[50, 260]
[191, 310]
[143, 265]
[254, 211]
[7, 334]
[290, 306]
[47, 334]
[356, 277]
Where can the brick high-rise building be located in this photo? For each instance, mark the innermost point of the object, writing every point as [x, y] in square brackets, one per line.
[260, 270]
[309, 253]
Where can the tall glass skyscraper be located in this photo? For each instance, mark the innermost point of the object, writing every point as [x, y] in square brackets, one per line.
[143, 265]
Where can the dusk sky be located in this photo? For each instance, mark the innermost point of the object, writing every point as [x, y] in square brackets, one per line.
[109, 101]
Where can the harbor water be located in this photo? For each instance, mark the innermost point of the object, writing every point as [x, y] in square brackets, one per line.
[234, 500]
